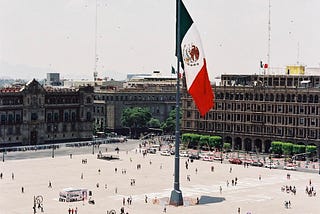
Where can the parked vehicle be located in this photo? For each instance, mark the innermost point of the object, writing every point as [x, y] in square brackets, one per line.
[152, 150]
[184, 154]
[217, 158]
[271, 165]
[72, 194]
[165, 153]
[207, 158]
[257, 163]
[194, 156]
[290, 167]
[235, 161]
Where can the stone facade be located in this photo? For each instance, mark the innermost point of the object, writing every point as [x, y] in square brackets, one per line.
[109, 104]
[31, 114]
[251, 111]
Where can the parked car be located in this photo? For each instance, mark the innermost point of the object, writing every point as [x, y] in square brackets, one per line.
[207, 158]
[290, 167]
[247, 161]
[152, 150]
[184, 154]
[194, 156]
[257, 163]
[271, 165]
[235, 161]
[217, 158]
[165, 153]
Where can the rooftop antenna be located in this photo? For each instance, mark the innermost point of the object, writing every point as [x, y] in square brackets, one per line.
[95, 73]
[269, 38]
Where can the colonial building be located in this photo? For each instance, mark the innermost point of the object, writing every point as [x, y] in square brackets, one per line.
[157, 93]
[251, 111]
[31, 114]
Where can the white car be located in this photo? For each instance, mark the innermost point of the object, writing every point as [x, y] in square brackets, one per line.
[184, 154]
[207, 158]
[165, 153]
[290, 167]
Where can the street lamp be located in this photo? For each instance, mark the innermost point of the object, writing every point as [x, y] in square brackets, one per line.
[52, 155]
[270, 151]
[93, 143]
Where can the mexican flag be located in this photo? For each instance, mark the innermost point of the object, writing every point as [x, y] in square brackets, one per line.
[193, 61]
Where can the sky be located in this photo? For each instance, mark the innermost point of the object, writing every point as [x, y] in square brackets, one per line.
[138, 36]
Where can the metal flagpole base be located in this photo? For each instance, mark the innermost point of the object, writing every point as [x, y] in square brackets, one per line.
[176, 198]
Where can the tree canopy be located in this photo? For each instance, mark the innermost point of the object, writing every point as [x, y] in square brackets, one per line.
[169, 125]
[135, 117]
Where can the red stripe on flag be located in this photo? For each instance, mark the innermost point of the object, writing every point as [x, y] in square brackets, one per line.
[201, 91]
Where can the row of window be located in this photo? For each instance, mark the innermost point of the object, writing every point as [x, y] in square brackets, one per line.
[11, 118]
[276, 108]
[267, 130]
[11, 101]
[268, 97]
[135, 98]
[10, 130]
[55, 128]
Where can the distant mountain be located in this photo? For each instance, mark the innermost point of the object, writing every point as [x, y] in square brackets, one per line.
[20, 71]
[6, 82]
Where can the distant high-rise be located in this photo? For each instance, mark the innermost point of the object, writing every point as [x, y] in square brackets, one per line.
[53, 79]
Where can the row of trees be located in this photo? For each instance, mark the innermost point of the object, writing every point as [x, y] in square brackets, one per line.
[191, 140]
[286, 148]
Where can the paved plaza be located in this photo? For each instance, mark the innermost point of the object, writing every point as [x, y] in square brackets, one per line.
[258, 190]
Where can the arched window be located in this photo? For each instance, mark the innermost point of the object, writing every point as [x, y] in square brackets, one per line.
[310, 98]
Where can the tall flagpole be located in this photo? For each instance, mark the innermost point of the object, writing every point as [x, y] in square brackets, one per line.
[176, 194]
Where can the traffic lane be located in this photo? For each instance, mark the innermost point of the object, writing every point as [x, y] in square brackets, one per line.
[65, 151]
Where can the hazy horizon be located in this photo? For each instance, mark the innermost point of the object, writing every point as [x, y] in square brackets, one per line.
[42, 36]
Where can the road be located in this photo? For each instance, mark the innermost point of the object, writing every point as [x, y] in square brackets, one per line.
[65, 151]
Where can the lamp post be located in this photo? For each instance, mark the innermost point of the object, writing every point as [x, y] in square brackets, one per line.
[3, 155]
[93, 143]
[270, 158]
[52, 154]
[221, 152]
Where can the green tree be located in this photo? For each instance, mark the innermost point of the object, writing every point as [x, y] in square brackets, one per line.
[204, 141]
[287, 148]
[298, 149]
[311, 149]
[276, 147]
[134, 118]
[227, 146]
[216, 142]
[154, 123]
[169, 126]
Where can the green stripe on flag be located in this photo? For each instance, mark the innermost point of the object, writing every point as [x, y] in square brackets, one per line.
[185, 23]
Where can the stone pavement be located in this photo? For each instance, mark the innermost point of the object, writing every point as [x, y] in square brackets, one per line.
[155, 180]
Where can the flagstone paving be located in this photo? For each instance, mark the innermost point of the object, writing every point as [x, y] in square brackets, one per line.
[154, 180]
